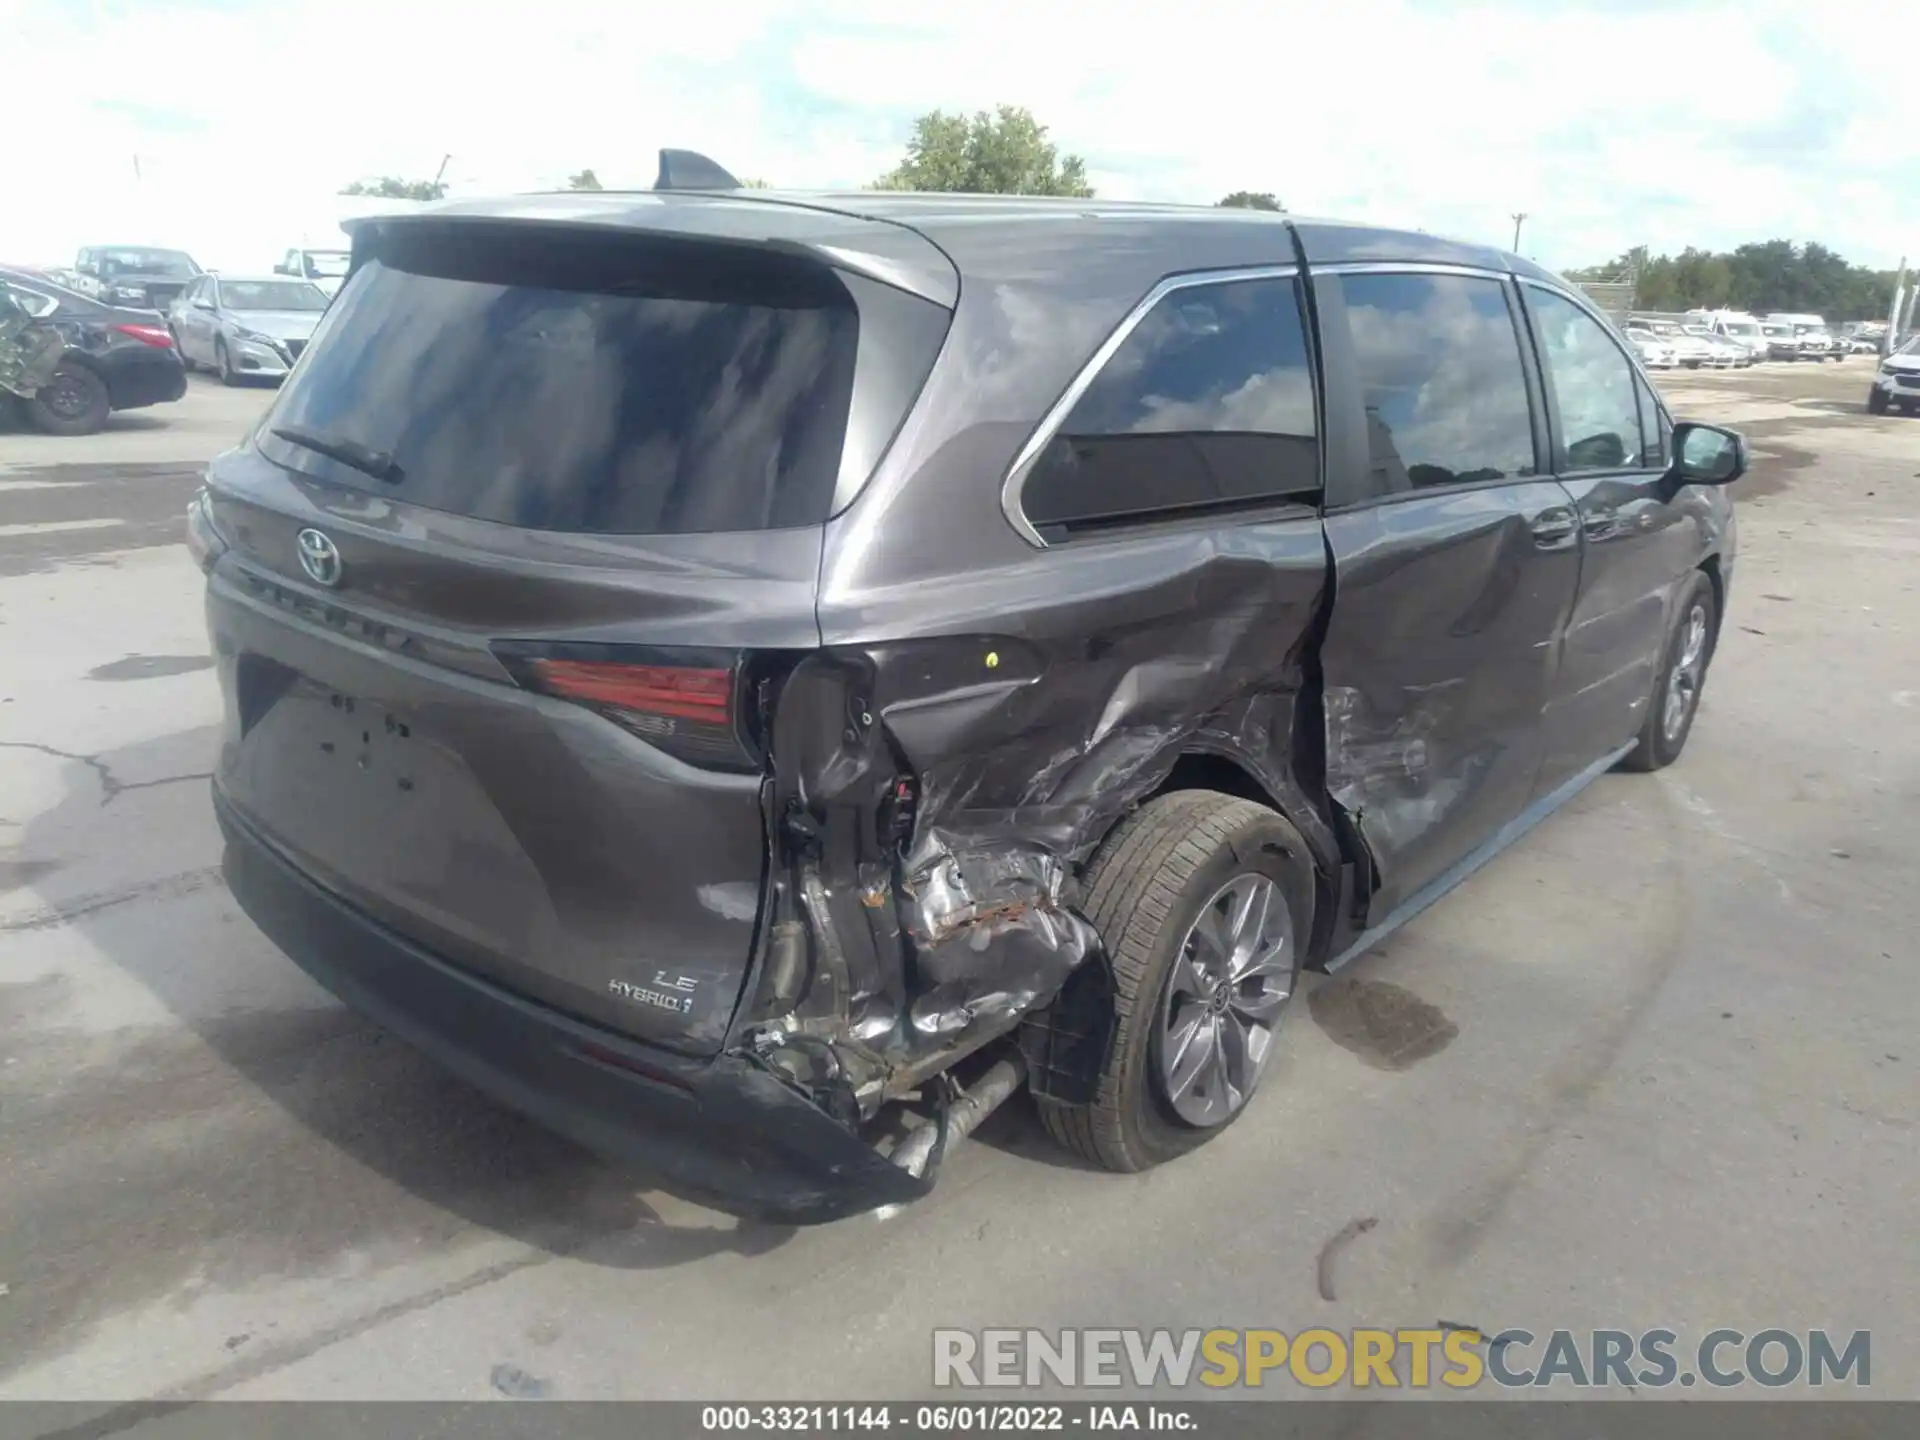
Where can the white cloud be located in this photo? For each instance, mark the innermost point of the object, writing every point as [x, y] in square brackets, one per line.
[1609, 124]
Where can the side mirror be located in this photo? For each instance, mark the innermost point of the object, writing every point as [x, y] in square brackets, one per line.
[1708, 454]
[283, 268]
[203, 304]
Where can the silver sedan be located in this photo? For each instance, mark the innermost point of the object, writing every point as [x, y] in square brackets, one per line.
[241, 326]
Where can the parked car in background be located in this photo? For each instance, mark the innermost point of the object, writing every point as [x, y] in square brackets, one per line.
[1741, 329]
[324, 268]
[664, 684]
[1723, 353]
[1896, 386]
[138, 275]
[240, 326]
[1810, 331]
[1782, 342]
[1863, 337]
[115, 357]
[1691, 351]
[1655, 353]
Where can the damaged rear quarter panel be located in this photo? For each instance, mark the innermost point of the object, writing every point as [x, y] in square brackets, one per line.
[1032, 700]
[1027, 697]
[1041, 699]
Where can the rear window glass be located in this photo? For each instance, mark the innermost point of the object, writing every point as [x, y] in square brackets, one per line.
[574, 383]
[1207, 405]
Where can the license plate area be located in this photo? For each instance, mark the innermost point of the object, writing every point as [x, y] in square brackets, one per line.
[381, 805]
[376, 740]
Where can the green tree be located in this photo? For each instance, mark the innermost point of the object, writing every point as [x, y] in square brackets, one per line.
[585, 180]
[1763, 276]
[391, 187]
[1005, 152]
[1249, 200]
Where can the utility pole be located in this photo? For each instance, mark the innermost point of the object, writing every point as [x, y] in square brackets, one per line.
[1893, 314]
[1519, 217]
[442, 170]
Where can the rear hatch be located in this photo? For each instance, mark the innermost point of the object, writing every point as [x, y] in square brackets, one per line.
[511, 561]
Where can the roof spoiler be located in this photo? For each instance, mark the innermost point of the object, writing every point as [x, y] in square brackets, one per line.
[690, 170]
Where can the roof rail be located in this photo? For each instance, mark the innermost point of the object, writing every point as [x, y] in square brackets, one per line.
[690, 170]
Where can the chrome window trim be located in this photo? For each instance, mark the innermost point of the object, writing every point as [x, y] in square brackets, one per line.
[1412, 267]
[1056, 416]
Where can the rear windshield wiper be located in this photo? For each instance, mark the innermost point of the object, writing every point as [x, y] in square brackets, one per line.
[378, 463]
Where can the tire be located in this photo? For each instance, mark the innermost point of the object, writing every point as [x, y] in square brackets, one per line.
[1147, 888]
[74, 402]
[1664, 736]
[1876, 401]
[223, 362]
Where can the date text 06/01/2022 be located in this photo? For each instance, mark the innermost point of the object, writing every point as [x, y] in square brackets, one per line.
[944, 1419]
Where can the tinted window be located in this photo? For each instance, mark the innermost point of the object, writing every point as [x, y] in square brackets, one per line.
[579, 384]
[1593, 386]
[1441, 377]
[1208, 403]
[145, 262]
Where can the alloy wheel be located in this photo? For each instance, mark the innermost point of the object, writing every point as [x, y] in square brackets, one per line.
[1231, 980]
[65, 396]
[1683, 685]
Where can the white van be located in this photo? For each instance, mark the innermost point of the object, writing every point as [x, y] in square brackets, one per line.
[1737, 326]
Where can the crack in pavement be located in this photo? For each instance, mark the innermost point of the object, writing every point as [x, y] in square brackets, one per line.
[168, 887]
[111, 787]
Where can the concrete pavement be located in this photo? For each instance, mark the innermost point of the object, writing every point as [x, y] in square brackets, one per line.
[1656, 1066]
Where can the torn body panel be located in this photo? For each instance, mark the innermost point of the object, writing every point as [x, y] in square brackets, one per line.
[936, 793]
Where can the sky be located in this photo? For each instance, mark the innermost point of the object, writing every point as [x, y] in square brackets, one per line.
[1610, 123]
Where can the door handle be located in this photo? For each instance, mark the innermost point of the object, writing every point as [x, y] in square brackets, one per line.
[1553, 528]
[1600, 522]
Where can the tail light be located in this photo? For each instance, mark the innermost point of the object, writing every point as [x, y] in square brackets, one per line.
[684, 702]
[153, 335]
[204, 541]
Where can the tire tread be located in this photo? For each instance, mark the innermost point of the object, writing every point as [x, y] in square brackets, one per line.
[1131, 888]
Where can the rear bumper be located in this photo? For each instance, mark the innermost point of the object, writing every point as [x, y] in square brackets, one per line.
[722, 1130]
[135, 379]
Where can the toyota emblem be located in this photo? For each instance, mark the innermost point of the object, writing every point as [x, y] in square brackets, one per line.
[319, 557]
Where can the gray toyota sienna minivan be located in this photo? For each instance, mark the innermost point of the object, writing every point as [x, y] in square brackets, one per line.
[754, 680]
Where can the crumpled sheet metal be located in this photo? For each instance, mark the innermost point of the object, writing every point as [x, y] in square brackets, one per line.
[1382, 765]
[29, 350]
[992, 935]
[1023, 750]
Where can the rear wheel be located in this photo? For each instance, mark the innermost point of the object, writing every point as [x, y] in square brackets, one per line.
[74, 402]
[1205, 903]
[1683, 675]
